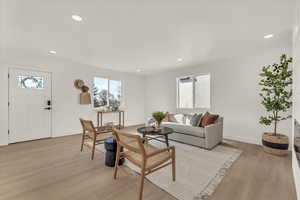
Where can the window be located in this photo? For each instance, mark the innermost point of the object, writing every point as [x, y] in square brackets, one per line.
[185, 92]
[107, 92]
[100, 92]
[202, 91]
[31, 82]
[193, 91]
[115, 93]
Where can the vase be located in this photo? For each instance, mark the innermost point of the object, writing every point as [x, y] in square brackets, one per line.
[158, 124]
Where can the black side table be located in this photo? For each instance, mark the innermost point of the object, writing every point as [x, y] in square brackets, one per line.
[111, 152]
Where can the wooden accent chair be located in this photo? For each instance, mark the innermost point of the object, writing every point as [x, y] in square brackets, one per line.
[144, 155]
[93, 134]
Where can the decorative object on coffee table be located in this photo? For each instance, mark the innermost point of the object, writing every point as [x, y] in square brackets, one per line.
[111, 151]
[150, 122]
[276, 98]
[155, 134]
[85, 96]
[159, 116]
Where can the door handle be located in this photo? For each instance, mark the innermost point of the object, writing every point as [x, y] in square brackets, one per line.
[47, 108]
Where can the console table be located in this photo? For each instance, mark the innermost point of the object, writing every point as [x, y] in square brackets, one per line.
[120, 114]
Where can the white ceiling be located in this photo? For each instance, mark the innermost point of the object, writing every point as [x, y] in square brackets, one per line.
[150, 35]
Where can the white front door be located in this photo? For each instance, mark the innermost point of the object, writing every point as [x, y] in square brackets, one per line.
[29, 105]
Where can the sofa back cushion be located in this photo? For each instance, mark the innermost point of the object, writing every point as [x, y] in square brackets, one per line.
[208, 119]
[178, 118]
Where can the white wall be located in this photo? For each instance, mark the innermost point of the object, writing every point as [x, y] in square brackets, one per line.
[296, 88]
[2, 25]
[66, 109]
[234, 93]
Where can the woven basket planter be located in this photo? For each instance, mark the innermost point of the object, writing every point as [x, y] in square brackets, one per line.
[276, 145]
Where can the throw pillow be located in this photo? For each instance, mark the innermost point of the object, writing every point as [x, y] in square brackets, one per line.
[172, 118]
[196, 119]
[208, 119]
[179, 118]
[188, 118]
[202, 119]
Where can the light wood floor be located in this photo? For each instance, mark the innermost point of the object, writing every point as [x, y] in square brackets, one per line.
[55, 169]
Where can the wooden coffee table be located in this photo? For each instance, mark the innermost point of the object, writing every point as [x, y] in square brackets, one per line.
[156, 134]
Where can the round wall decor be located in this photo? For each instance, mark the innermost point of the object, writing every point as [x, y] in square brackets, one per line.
[78, 83]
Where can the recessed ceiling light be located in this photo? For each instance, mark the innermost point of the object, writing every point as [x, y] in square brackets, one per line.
[52, 52]
[77, 18]
[268, 36]
[138, 70]
[179, 59]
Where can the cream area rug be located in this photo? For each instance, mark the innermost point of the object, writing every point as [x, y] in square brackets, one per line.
[198, 171]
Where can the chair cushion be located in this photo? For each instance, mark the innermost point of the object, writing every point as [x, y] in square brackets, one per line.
[103, 136]
[183, 128]
[152, 161]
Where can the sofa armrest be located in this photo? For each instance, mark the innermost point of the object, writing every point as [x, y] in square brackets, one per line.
[213, 134]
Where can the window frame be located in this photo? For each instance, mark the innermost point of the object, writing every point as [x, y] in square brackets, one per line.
[108, 89]
[194, 91]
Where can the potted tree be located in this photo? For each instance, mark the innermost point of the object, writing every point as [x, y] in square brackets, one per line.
[276, 95]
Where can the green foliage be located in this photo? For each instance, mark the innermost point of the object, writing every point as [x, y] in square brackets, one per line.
[276, 91]
[159, 116]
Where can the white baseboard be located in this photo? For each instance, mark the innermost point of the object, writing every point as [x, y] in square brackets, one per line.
[242, 139]
[67, 134]
[80, 131]
[296, 173]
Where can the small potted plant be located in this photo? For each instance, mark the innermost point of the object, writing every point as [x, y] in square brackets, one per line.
[276, 95]
[159, 116]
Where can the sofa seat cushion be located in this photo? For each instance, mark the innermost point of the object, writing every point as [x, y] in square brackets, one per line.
[183, 128]
[188, 139]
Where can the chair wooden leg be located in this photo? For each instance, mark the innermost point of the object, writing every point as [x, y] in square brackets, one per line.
[117, 162]
[93, 149]
[142, 184]
[173, 165]
[82, 142]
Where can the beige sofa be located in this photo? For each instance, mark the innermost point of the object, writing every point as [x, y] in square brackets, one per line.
[207, 137]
